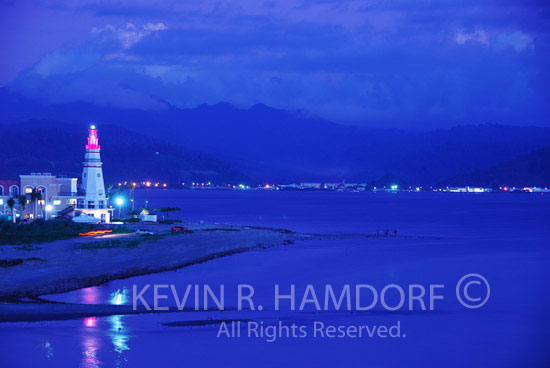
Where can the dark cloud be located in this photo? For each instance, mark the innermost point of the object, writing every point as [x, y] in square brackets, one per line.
[398, 63]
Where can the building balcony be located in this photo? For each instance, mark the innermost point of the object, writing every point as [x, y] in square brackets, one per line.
[84, 206]
[70, 194]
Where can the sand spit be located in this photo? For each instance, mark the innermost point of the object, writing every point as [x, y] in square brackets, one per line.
[66, 265]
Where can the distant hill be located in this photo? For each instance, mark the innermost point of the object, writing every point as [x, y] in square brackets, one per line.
[58, 148]
[273, 145]
[532, 169]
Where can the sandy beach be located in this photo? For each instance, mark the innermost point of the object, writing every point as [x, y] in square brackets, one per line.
[71, 264]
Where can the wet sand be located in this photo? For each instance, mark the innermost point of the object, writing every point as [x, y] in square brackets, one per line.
[71, 264]
[67, 265]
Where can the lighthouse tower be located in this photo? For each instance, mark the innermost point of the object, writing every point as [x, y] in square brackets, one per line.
[92, 177]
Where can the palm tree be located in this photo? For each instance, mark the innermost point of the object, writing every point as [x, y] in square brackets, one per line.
[11, 205]
[108, 190]
[108, 187]
[132, 188]
[22, 202]
[167, 210]
[36, 196]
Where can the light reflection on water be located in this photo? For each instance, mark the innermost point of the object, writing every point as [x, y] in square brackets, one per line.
[90, 321]
[118, 334]
[119, 297]
[90, 347]
[89, 295]
[92, 334]
[350, 262]
[119, 338]
[48, 350]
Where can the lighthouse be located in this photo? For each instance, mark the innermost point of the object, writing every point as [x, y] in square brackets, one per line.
[94, 202]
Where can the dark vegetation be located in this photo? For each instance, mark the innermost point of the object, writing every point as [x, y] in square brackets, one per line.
[167, 210]
[44, 231]
[129, 219]
[27, 247]
[260, 145]
[532, 169]
[128, 243]
[17, 261]
[111, 243]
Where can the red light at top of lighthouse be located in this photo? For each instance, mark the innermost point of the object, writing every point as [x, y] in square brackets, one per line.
[93, 140]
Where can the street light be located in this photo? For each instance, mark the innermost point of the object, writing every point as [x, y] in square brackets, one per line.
[49, 208]
[119, 201]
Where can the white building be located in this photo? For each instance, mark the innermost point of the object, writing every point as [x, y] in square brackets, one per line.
[95, 201]
[60, 196]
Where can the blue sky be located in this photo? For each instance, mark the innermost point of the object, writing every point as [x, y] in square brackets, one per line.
[374, 63]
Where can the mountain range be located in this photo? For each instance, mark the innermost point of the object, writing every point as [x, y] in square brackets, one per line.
[225, 144]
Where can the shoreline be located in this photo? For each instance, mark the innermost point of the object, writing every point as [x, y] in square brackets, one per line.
[67, 265]
[71, 264]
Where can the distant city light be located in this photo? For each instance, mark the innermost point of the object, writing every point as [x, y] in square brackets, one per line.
[353, 187]
[92, 127]
[49, 207]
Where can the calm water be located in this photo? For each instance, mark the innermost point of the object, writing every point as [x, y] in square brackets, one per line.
[502, 237]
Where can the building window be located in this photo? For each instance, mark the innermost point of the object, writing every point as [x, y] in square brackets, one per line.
[14, 191]
[1, 190]
[56, 202]
[101, 204]
[28, 190]
[90, 204]
[42, 202]
[1, 201]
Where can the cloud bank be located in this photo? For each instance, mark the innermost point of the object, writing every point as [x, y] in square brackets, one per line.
[399, 63]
